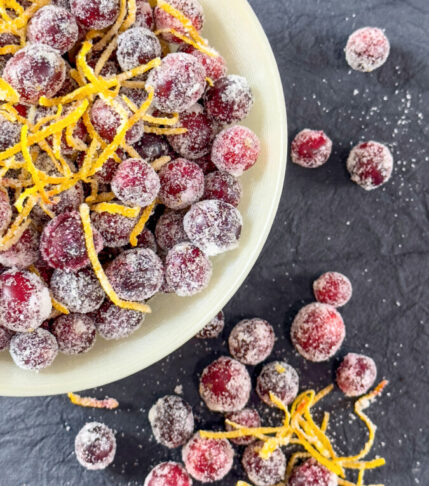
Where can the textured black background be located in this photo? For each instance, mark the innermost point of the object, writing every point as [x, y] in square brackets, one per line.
[379, 239]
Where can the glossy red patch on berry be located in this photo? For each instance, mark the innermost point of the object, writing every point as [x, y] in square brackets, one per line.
[332, 288]
[356, 374]
[279, 378]
[311, 148]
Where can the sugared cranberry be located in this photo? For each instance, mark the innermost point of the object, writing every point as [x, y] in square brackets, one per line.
[95, 446]
[317, 331]
[251, 341]
[168, 474]
[312, 473]
[5, 337]
[222, 186]
[172, 421]
[278, 378]
[332, 288]
[114, 322]
[24, 300]
[137, 46]
[34, 71]
[311, 148]
[367, 49]
[146, 239]
[169, 230]
[150, 147]
[229, 100]
[213, 328]
[263, 472]
[75, 333]
[107, 171]
[249, 418]
[187, 270]
[208, 460]
[356, 374]
[62, 244]
[370, 165]
[33, 350]
[182, 183]
[79, 291]
[24, 252]
[225, 385]
[5, 209]
[206, 164]
[10, 133]
[235, 150]
[95, 14]
[114, 228]
[215, 66]
[214, 226]
[136, 274]
[179, 82]
[144, 15]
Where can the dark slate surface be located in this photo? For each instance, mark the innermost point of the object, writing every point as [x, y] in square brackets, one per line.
[379, 239]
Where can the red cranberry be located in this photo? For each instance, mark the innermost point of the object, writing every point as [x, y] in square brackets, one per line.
[137, 46]
[146, 239]
[5, 337]
[249, 418]
[370, 165]
[151, 147]
[332, 288]
[356, 374]
[367, 49]
[206, 164]
[263, 472]
[214, 226]
[312, 473]
[213, 328]
[311, 148]
[168, 474]
[208, 460]
[5, 208]
[114, 322]
[144, 15]
[34, 71]
[10, 133]
[225, 385]
[169, 230]
[33, 350]
[318, 331]
[24, 252]
[187, 270]
[114, 228]
[75, 333]
[172, 421]
[95, 446]
[229, 100]
[179, 82]
[95, 14]
[222, 186]
[278, 378]
[215, 66]
[24, 301]
[235, 150]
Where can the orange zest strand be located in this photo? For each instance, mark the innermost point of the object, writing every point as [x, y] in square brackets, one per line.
[112, 208]
[107, 403]
[138, 228]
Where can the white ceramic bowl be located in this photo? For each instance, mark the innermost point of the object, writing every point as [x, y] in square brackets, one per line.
[231, 27]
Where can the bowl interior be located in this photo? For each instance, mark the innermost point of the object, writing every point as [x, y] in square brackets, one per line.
[233, 29]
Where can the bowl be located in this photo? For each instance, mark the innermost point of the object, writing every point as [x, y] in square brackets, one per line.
[233, 29]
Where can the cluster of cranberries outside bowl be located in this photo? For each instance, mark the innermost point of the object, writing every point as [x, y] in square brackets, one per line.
[175, 320]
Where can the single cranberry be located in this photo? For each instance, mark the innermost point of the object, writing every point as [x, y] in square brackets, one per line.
[168, 474]
[312, 473]
[151, 147]
[356, 374]
[213, 328]
[144, 15]
[332, 288]
[10, 133]
[75, 333]
[278, 378]
[215, 66]
[263, 472]
[137, 46]
[33, 350]
[367, 49]
[95, 14]
[249, 418]
[146, 239]
[115, 229]
[311, 148]
[222, 186]
[113, 322]
[95, 446]
[24, 252]
[169, 230]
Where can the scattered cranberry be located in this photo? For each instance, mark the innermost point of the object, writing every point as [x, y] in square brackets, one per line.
[24, 301]
[225, 385]
[24, 252]
[249, 418]
[235, 150]
[151, 147]
[318, 331]
[208, 460]
[146, 239]
[251, 341]
[215, 66]
[10, 133]
[169, 230]
[113, 322]
[179, 82]
[144, 15]
[95, 14]
[332, 288]
[367, 49]
[168, 474]
[312, 473]
[137, 46]
[213, 328]
[311, 148]
[356, 374]
[114, 228]
[95, 446]
[263, 472]
[172, 421]
[34, 71]
[222, 186]
[229, 100]
[33, 350]
[214, 226]
[75, 333]
[370, 165]
[5, 337]
[278, 378]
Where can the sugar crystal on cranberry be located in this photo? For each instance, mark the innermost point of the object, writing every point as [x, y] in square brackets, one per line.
[95, 14]
[263, 472]
[75, 333]
[24, 252]
[144, 15]
[33, 350]
[213, 328]
[115, 229]
[137, 46]
[169, 230]
[10, 133]
[223, 186]
[5, 337]
[332, 288]
[113, 322]
[279, 378]
[215, 66]
[311, 148]
[356, 374]
[95, 446]
[367, 49]
[168, 474]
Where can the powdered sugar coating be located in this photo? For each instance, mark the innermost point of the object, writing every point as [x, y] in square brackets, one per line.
[114, 228]
[333, 288]
[5, 209]
[187, 270]
[225, 385]
[213, 328]
[168, 474]
[179, 82]
[279, 378]
[208, 460]
[79, 291]
[24, 300]
[223, 186]
[24, 252]
[370, 165]
[367, 49]
[318, 331]
[95, 446]
[5, 337]
[263, 472]
[169, 230]
[215, 66]
[34, 71]
[95, 14]
[248, 417]
[356, 374]
[172, 421]
[311, 148]
[312, 473]
[10, 133]
[251, 341]
[214, 226]
[113, 322]
[75, 333]
[137, 46]
[33, 351]
[144, 15]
